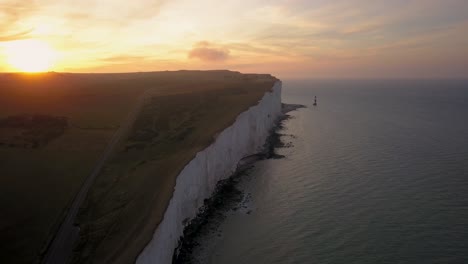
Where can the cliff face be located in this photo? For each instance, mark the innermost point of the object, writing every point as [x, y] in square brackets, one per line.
[198, 179]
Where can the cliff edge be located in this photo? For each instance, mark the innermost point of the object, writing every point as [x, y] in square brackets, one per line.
[198, 179]
[190, 133]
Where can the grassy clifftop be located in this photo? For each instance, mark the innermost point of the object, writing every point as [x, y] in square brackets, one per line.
[129, 198]
[56, 126]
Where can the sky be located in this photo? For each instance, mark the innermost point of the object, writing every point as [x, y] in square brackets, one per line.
[287, 38]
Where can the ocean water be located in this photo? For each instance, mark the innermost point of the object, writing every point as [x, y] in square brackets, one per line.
[376, 173]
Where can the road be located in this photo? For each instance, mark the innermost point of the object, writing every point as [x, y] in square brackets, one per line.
[61, 247]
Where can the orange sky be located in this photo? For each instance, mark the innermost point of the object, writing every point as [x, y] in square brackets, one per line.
[289, 38]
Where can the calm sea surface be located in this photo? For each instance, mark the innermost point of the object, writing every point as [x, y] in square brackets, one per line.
[377, 173]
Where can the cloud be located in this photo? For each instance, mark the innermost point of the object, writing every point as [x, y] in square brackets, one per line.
[15, 36]
[11, 14]
[121, 59]
[269, 35]
[123, 15]
[20, 18]
[207, 51]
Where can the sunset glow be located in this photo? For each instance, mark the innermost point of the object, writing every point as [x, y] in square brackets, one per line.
[299, 38]
[29, 56]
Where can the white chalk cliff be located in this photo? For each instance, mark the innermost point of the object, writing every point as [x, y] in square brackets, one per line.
[198, 179]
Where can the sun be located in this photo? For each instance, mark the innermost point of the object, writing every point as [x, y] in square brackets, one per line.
[30, 55]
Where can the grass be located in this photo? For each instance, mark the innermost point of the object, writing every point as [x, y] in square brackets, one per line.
[127, 201]
[37, 184]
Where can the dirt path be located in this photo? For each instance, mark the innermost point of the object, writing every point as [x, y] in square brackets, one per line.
[61, 247]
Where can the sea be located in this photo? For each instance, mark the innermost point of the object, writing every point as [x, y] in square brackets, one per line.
[377, 172]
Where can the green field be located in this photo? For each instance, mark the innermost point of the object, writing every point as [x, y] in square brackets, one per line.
[182, 113]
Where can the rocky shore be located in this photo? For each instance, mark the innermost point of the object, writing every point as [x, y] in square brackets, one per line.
[227, 197]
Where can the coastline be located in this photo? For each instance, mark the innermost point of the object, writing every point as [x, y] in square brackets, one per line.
[226, 196]
[130, 199]
[197, 181]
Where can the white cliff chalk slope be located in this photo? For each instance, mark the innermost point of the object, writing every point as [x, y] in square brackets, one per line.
[198, 179]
